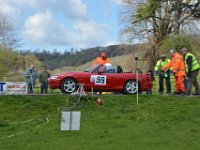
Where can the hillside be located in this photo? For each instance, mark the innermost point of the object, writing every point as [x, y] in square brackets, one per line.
[126, 61]
[157, 123]
[58, 59]
[13, 65]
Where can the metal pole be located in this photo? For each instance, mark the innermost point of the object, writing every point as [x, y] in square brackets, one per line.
[136, 58]
[137, 85]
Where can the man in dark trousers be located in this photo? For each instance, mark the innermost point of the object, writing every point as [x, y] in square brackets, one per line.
[31, 77]
[163, 74]
[192, 69]
[43, 77]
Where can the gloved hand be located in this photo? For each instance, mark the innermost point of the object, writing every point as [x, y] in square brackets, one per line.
[163, 68]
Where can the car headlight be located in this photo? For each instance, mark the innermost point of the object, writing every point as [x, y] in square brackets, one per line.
[54, 77]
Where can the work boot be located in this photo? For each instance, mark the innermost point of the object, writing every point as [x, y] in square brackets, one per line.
[168, 93]
[188, 93]
[176, 93]
[196, 94]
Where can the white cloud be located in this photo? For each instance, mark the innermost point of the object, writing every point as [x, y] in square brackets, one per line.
[72, 9]
[12, 10]
[117, 2]
[111, 43]
[43, 30]
[55, 23]
[10, 7]
[90, 32]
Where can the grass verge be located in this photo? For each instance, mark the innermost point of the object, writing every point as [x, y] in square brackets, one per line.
[157, 123]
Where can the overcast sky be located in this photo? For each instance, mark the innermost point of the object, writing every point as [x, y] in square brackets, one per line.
[62, 24]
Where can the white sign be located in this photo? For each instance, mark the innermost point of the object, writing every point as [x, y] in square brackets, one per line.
[98, 79]
[10, 88]
[70, 120]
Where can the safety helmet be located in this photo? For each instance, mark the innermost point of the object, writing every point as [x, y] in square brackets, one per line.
[184, 50]
[163, 56]
[108, 64]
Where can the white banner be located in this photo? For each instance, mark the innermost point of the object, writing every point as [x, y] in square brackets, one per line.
[10, 88]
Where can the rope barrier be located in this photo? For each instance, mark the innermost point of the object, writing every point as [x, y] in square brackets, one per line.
[22, 132]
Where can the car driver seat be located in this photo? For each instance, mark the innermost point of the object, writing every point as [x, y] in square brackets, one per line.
[119, 69]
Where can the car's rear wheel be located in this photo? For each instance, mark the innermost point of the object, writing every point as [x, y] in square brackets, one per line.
[69, 86]
[131, 87]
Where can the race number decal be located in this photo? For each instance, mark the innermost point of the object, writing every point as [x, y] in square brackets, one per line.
[98, 80]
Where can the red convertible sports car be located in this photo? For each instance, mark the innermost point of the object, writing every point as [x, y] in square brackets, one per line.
[99, 78]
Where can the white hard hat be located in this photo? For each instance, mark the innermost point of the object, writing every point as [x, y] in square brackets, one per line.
[108, 65]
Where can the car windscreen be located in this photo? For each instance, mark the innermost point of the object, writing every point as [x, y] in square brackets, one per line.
[92, 68]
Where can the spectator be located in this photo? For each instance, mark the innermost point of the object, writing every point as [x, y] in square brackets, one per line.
[192, 69]
[178, 69]
[163, 74]
[31, 76]
[43, 79]
[102, 60]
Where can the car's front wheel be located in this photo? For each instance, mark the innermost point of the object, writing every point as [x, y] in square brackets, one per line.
[131, 87]
[69, 86]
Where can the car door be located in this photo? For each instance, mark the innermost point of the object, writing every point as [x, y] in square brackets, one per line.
[114, 80]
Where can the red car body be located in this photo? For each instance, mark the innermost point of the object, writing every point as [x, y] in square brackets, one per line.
[98, 80]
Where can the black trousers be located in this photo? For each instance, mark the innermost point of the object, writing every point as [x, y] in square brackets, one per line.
[44, 87]
[192, 80]
[168, 84]
[30, 88]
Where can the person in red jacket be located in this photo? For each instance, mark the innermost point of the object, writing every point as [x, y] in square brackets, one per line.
[102, 60]
[178, 69]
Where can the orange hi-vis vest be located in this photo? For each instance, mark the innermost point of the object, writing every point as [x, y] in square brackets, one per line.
[177, 65]
[99, 60]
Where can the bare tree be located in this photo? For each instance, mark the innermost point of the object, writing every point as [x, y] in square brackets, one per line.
[8, 38]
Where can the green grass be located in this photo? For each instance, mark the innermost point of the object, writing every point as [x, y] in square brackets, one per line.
[157, 123]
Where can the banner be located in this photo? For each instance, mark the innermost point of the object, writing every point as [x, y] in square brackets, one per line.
[10, 88]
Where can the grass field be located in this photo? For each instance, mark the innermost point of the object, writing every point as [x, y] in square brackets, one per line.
[157, 123]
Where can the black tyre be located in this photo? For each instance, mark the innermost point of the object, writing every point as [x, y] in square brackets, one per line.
[131, 87]
[69, 86]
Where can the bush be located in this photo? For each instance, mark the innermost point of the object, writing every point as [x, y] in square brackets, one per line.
[176, 41]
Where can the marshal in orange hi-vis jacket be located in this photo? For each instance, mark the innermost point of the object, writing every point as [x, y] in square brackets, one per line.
[102, 60]
[178, 69]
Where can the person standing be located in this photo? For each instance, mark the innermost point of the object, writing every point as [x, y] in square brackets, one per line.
[31, 77]
[43, 79]
[192, 69]
[178, 69]
[163, 74]
[102, 60]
